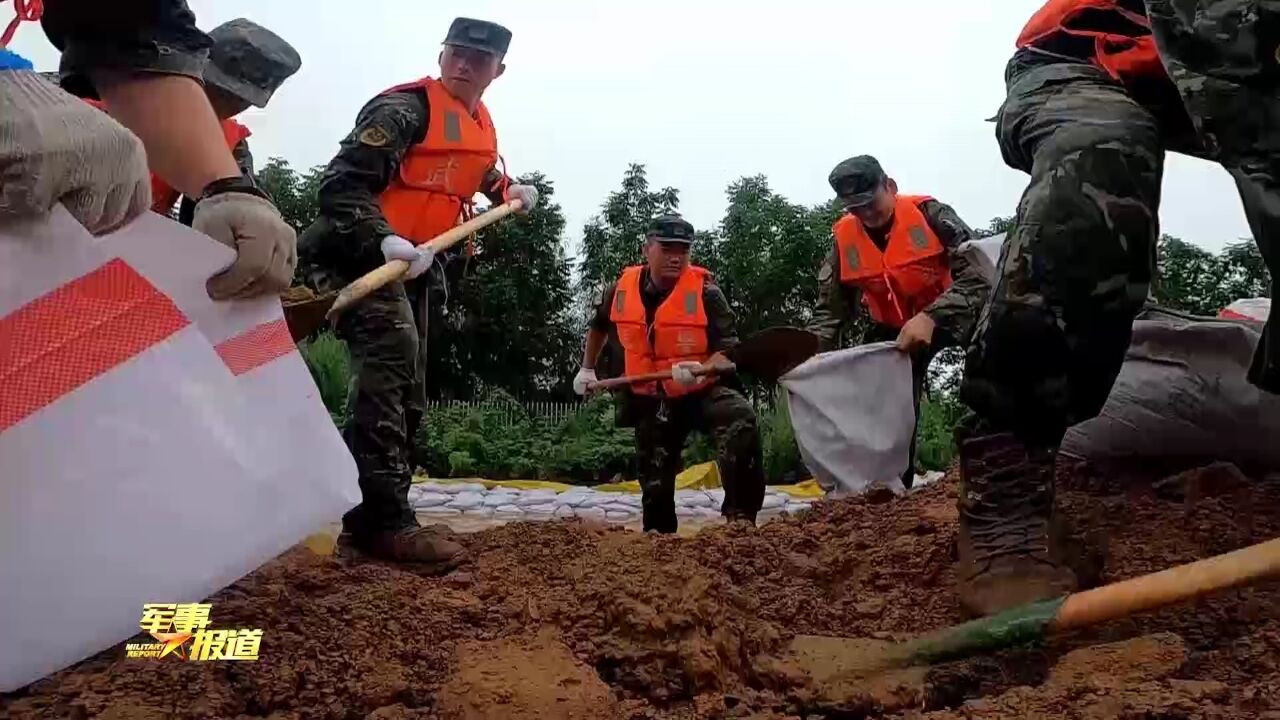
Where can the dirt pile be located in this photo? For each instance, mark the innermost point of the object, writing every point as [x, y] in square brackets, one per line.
[570, 620]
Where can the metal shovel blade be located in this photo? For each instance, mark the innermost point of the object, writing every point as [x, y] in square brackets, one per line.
[773, 352]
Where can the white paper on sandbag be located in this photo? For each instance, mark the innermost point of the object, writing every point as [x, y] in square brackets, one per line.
[1183, 392]
[315, 477]
[132, 485]
[853, 416]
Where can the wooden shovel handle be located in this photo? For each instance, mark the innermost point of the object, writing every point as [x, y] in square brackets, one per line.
[394, 269]
[1177, 584]
[612, 383]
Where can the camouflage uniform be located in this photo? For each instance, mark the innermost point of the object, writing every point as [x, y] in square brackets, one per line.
[386, 331]
[662, 424]
[1077, 264]
[955, 311]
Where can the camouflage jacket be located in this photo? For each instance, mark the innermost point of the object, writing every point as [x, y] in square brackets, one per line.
[955, 311]
[349, 230]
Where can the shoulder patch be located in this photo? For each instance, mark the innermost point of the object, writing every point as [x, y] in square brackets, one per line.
[374, 137]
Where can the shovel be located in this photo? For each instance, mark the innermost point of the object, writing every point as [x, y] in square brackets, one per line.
[305, 313]
[768, 355]
[849, 663]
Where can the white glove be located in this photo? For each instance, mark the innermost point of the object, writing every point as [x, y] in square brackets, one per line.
[585, 377]
[419, 257]
[682, 373]
[266, 247]
[55, 148]
[526, 194]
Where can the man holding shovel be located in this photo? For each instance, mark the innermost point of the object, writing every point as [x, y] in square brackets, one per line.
[896, 256]
[408, 172]
[668, 314]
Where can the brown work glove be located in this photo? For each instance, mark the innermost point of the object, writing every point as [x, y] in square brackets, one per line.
[240, 216]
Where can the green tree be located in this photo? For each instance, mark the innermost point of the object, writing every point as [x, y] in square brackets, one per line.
[768, 254]
[996, 226]
[611, 240]
[507, 322]
[293, 193]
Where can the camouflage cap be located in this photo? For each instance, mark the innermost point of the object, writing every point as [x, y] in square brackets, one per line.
[480, 35]
[249, 61]
[856, 180]
[670, 228]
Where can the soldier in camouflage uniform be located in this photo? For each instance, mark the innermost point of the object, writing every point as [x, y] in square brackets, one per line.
[407, 172]
[937, 313]
[1089, 115]
[668, 313]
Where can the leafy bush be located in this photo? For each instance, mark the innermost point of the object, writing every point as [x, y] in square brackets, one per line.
[329, 361]
[935, 446]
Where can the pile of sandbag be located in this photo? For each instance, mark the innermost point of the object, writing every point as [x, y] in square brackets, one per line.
[475, 500]
[155, 446]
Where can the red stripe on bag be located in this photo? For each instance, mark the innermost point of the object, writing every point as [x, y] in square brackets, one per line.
[73, 334]
[256, 347]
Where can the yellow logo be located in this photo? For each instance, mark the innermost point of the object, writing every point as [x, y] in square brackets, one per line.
[173, 625]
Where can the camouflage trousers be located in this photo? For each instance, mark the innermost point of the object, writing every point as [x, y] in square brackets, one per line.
[1077, 265]
[385, 402]
[661, 428]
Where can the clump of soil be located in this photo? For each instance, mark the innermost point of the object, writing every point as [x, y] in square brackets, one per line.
[523, 678]
[679, 627]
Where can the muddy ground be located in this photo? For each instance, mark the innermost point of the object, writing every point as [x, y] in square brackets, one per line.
[566, 620]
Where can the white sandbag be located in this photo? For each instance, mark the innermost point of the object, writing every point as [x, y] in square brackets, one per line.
[467, 501]
[497, 499]
[480, 512]
[572, 499]
[686, 511]
[163, 424]
[1183, 392]
[436, 487]
[618, 515]
[631, 501]
[622, 508]
[853, 416]
[707, 512]
[543, 509]
[591, 513]
[536, 497]
[564, 511]
[773, 502]
[508, 510]
[693, 498]
[430, 499]
[442, 510]
[594, 500]
[717, 496]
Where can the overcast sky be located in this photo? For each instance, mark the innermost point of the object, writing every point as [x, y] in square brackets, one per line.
[701, 92]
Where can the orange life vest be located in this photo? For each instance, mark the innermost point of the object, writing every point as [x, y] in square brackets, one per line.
[440, 175]
[1124, 57]
[163, 196]
[678, 333]
[907, 276]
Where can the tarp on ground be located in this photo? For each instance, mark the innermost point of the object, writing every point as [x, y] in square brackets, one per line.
[154, 446]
